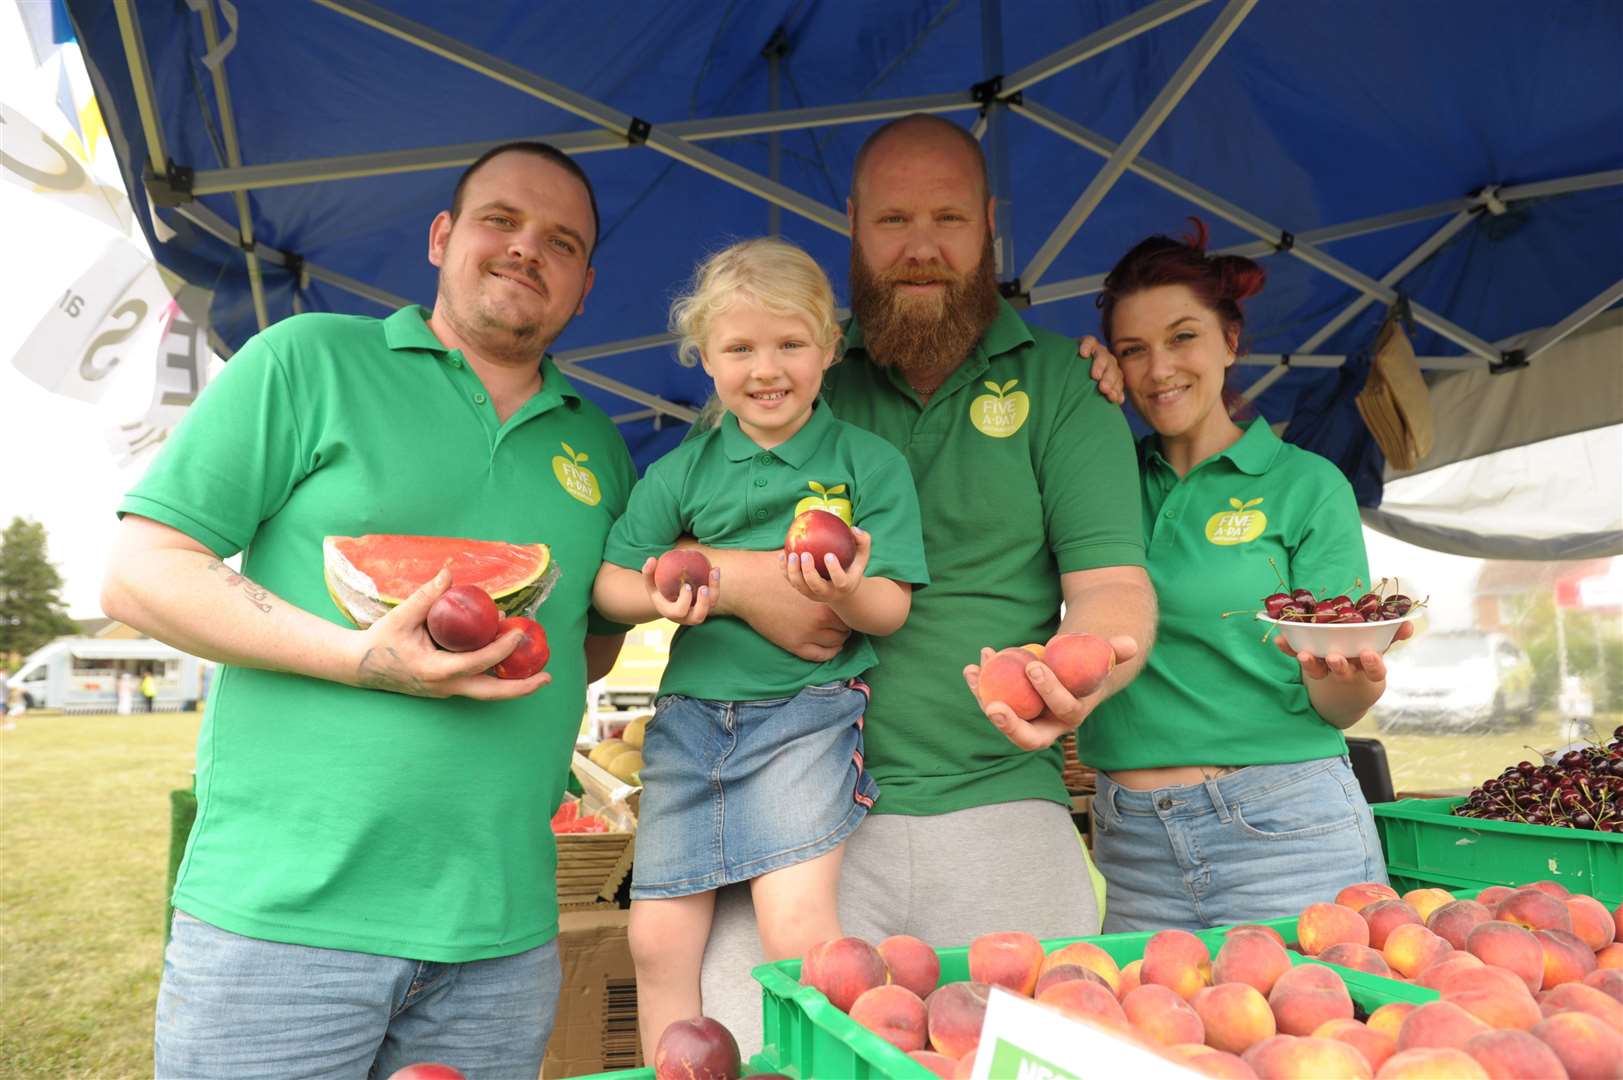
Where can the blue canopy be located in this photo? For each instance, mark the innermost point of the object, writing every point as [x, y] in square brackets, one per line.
[1332, 139]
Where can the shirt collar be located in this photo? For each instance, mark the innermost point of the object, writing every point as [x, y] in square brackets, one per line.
[1252, 453]
[408, 329]
[795, 451]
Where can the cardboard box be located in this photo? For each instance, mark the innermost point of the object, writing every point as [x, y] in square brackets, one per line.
[596, 1028]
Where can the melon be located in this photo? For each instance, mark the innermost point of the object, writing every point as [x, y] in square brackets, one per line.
[368, 575]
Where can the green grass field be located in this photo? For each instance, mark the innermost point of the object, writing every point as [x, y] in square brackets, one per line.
[84, 833]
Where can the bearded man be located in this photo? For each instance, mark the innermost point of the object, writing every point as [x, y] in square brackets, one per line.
[1028, 486]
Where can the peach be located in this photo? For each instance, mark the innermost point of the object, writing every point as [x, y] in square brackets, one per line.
[1499, 1009]
[1010, 959]
[1534, 910]
[1514, 1055]
[1088, 956]
[1483, 977]
[1509, 946]
[1286, 1058]
[1388, 1019]
[679, 567]
[1576, 997]
[1566, 958]
[1376, 1046]
[1431, 1063]
[1082, 999]
[1219, 1064]
[1491, 896]
[1131, 978]
[1079, 661]
[912, 963]
[1307, 996]
[1357, 957]
[1162, 1017]
[1270, 931]
[1587, 1046]
[939, 1064]
[1235, 1016]
[1434, 976]
[1385, 916]
[954, 1014]
[464, 618]
[820, 534]
[1064, 972]
[1550, 888]
[1439, 1024]
[1607, 980]
[1591, 922]
[1359, 895]
[1003, 678]
[1179, 960]
[1411, 949]
[965, 1067]
[1452, 922]
[895, 1014]
[1617, 921]
[1611, 956]
[843, 969]
[1426, 901]
[1252, 958]
[1323, 925]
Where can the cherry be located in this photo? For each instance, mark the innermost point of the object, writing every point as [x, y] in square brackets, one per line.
[1275, 604]
[1339, 602]
[1349, 616]
[1398, 604]
[1305, 598]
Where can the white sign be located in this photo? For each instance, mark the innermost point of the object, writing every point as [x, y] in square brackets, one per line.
[96, 324]
[1022, 1040]
[183, 359]
[34, 160]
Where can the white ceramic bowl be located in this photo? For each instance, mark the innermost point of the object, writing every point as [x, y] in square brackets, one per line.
[1344, 639]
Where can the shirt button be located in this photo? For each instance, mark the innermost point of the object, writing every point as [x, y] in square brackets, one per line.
[1169, 515]
[760, 481]
[480, 399]
[456, 361]
[763, 459]
[760, 513]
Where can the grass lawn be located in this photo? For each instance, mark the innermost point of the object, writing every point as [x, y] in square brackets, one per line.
[84, 836]
[84, 841]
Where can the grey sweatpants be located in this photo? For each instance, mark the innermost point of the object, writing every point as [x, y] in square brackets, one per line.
[946, 879]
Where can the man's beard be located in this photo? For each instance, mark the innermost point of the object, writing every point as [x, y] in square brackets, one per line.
[922, 335]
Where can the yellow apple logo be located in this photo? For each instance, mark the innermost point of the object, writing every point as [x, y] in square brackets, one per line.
[575, 477]
[1240, 525]
[825, 500]
[1000, 413]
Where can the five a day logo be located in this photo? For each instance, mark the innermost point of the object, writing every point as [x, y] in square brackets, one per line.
[1240, 525]
[833, 499]
[575, 477]
[1000, 413]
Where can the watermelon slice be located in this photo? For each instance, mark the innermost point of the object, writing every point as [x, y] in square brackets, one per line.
[369, 575]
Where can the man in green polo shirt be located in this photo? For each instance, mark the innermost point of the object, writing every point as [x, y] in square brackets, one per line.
[370, 881]
[1028, 491]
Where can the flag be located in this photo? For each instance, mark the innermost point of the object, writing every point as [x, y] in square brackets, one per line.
[32, 159]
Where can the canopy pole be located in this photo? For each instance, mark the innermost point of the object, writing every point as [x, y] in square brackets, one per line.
[1117, 162]
[635, 129]
[1607, 297]
[146, 98]
[233, 157]
[1147, 18]
[995, 140]
[1281, 239]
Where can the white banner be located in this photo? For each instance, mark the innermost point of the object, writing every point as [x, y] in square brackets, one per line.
[183, 367]
[96, 323]
[32, 159]
[129, 443]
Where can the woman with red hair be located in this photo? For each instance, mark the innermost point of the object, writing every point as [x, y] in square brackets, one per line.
[1225, 793]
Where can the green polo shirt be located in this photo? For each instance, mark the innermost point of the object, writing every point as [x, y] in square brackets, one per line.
[359, 819]
[1024, 473]
[725, 491]
[1213, 692]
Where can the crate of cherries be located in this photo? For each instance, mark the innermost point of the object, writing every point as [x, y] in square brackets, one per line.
[1581, 789]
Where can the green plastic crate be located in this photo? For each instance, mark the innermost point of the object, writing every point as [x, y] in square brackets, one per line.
[806, 1037]
[623, 1074]
[1426, 845]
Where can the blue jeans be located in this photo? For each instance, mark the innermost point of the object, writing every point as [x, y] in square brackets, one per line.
[234, 1006]
[1260, 843]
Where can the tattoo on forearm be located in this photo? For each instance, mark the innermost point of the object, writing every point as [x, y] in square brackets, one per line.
[257, 596]
[382, 669]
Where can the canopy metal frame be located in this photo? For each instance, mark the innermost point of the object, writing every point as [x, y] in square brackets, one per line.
[174, 184]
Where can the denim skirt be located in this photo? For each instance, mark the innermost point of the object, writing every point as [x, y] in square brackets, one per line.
[1262, 842]
[735, 789]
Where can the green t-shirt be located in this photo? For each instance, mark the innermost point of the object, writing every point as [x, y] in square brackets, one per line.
[725, 491]
[359, 819]
[1024, 473]
[1213, 692]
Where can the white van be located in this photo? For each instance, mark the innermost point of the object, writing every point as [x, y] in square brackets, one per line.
[78, 674]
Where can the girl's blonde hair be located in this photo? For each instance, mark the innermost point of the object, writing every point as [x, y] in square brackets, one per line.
[773, 274]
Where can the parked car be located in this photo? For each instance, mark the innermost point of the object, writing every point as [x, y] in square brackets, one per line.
[1456, 680]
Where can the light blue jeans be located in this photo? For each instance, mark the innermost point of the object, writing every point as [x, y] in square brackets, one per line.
[234, 1006]
[1260, 843]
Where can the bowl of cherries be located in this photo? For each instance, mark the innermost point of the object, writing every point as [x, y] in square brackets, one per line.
[1579, 789]
[1340, 624]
